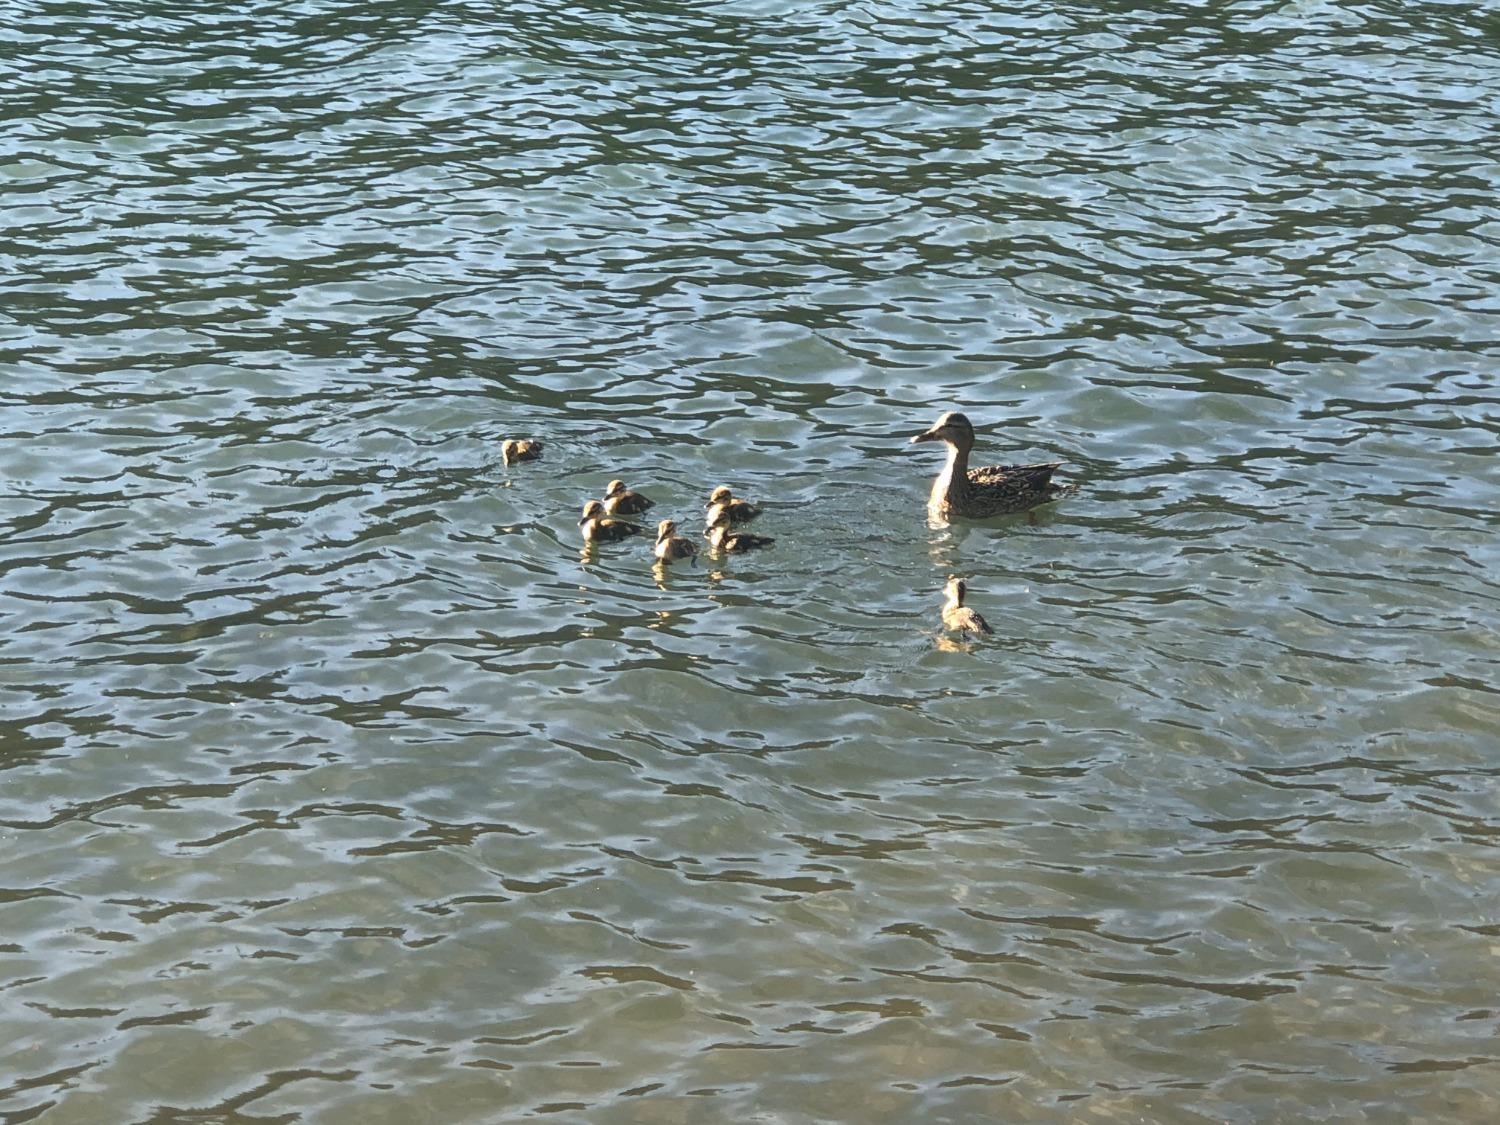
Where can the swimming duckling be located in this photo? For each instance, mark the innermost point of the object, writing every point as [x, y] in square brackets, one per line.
[520, 449]
[723, 539]
[597, 527]
[994, 490]
[958, 616]
[739, 511]
[670, 547]
[619, 500]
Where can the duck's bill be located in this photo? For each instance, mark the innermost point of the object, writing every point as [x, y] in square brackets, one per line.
[925, 435]
[584, 520]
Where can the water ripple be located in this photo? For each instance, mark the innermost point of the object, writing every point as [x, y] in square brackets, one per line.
[340, 783]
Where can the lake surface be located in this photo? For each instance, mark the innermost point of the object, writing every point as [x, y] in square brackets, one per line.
[339, 786]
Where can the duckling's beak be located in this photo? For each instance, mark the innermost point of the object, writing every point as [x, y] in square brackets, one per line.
[934, 434]
[583, 520]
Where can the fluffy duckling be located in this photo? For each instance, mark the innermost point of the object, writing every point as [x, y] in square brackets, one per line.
[958, 616]
[670, 547]
[621, 501]
[520, 449]
[994, 490]
[600, 528]
[723, 539]
[739, 511]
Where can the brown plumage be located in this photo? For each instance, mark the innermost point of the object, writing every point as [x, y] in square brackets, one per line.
[724, 539]
[738, 511]
[520, 449]
[621, 501]
[958, 616]
[600, 528]
[994, 490]
[670, 547]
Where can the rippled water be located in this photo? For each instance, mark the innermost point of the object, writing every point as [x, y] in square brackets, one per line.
[339, 786]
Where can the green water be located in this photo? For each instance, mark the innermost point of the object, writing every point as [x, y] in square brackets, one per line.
[340, 787]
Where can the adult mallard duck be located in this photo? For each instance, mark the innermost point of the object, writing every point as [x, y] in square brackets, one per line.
[994, 490]
[724, 539]
[739, 511]
[958, 616]
[621, 501]
[520, 449]
[600, 528]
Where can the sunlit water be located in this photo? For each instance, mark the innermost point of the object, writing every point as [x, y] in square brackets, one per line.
[339, 787]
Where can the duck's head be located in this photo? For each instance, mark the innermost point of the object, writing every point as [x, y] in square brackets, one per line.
[956, 589]
[665, 530]
[717, 518]
[614, 488]
[953, 428]
[593, 510]
[720, 495]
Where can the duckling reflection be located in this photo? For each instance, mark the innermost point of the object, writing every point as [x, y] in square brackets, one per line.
[723, 538]
[520, 449]
[622, 501]
[994, 490]
[957, 616]
[670, 547]
[738, 511]
[600, 528]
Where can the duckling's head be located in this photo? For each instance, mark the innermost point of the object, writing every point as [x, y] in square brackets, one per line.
[720, 495]
[593, 510]
[952, 427]
[614, 486]
[956, 589]
[665, 530]
[717, 517]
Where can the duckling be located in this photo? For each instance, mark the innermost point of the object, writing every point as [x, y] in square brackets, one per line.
[722, 539]
[520, 449]
[740, 511]
[619, 500]
[597, 527]
[669, 546]
[958, 616]
[994, 490]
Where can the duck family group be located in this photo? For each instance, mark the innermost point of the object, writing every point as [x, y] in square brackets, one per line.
[959, 491]
[600, 522]
[725, 510]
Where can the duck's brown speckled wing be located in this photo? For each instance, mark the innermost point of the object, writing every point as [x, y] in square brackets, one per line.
[1003, 489]
[970, 621]
[1026, 478]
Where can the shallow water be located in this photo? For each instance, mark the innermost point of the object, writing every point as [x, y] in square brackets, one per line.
[340, 786]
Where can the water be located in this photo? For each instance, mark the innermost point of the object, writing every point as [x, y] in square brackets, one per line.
[339, 787]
